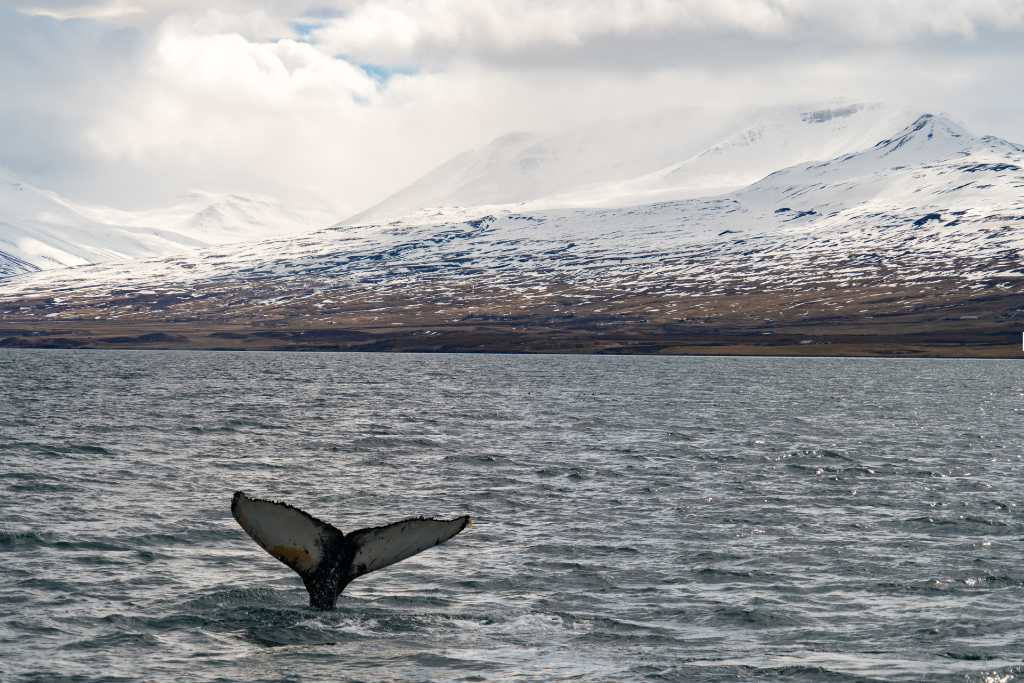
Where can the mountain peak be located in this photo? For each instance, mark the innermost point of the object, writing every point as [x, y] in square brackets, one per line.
[931, 124]
[931, 132]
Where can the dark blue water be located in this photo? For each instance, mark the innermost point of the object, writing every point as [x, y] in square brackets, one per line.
[662, 519]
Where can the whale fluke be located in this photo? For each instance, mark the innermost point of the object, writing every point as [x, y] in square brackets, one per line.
[326, 558]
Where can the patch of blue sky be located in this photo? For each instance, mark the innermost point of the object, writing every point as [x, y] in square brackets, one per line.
[304, 28]
[382, 74]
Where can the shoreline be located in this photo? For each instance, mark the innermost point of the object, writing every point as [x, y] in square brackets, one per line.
[865, 321]
[992, 341]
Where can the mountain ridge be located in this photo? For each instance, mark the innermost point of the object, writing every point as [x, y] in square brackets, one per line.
[910, 246]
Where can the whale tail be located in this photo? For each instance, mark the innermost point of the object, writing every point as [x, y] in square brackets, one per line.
[328, 559]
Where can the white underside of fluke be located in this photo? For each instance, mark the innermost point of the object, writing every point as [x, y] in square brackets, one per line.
[316, 549]
[381, 546]
[285, 532]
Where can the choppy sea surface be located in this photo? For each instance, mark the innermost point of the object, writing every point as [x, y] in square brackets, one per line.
[636, 519]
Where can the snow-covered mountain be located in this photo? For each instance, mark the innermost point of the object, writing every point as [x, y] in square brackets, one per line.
[671, 155]
[674, 155]
[523, 166]
[929, 221]
[772, 140]
[40, 230]
[221, 218]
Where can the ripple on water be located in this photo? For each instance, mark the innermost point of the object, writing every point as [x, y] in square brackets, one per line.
[683, 519]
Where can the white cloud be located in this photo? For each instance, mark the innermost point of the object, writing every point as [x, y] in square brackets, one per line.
[133, 101]
[218, 104]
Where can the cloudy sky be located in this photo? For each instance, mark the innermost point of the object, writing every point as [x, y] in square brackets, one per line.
[340, 102]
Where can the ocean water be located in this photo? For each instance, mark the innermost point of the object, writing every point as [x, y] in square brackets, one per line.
[636, 518]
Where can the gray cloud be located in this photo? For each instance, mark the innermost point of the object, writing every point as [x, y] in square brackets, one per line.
[575, 31]
[49, 71]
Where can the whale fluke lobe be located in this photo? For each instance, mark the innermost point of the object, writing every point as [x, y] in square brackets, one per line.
[381, 546]
[296, 538]
[326, 558]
